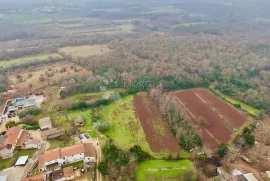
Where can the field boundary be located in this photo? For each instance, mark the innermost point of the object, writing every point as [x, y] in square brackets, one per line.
[227, 99]
[190, 113]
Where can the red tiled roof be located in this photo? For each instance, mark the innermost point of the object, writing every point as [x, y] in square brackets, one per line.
[86, 148]
[68, 172]
[72, 150]
[12, 135]
[89, 150]
[22, 138]
[40, 177]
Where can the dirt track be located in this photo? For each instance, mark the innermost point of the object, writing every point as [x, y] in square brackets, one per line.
[237, 119]
[198, 108]
[156, 130]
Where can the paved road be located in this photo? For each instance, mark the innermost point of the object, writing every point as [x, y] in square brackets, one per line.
[19, 173]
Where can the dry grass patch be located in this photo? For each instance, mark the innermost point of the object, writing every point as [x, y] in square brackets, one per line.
[85, 51]
[46, 75]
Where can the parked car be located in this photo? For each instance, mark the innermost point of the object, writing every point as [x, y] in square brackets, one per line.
[87, 136]
[80, 136]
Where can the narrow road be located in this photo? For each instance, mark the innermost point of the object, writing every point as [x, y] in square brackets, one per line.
[18, 173]
[98, 149]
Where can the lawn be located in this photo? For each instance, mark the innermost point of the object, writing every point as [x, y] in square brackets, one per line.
[125, 129]
[162, 170]
[18, 61]
[10, 162]
[61, 143]
[59, 119]
[250, 110]
[93, 95]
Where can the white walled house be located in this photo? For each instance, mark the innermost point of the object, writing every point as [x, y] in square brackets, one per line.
[54, 159]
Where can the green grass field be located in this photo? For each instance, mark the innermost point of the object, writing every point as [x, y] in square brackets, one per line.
[93, 95]
[160, 170]
[125, 129]
[29, 59]
[10, 162]
[59, 119]
[250, 110]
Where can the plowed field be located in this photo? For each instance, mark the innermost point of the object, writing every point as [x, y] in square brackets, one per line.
[236, 118]
[215, 127]
[156, 130]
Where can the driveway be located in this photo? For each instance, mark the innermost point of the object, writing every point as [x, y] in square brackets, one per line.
[96, 144]
[18, 173]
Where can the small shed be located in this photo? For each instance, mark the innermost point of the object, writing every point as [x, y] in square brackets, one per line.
[22, 160]
[69, 173]
[79, 121]
[45, 123]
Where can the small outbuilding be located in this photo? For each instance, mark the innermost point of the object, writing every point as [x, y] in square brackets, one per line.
[22, 160]
[69, 173]
[45, 123]
[79, 121]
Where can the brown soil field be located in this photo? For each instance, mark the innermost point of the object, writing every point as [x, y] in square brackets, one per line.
[157, 132]
[215, 125]
[52, 73]
[208, 139]
[227, 111]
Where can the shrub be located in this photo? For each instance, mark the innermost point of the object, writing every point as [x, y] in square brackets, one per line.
[139, 153]
[41, 78]
[11, 124]
[103, 168]
[29, 120]
[32, 111]
[222, 150]
[103, 126]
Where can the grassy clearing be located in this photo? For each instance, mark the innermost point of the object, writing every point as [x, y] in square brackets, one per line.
[93, 95]
[250, 110]
[10, 162]
[59, 119]
[85, 51]
[125, 129]
[18, 61]
[162, 170]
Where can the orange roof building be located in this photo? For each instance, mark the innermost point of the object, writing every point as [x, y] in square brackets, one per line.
[67, 155]
[13, 134]
[68, 173]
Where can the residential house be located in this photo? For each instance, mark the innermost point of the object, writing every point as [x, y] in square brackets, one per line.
[52, 133]
[15, 137]
[79, 121]
[45, 123]
[12, 137]
[54, 159]
[40, 177]
[68, 173]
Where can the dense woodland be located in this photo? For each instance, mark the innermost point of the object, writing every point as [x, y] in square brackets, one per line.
[238, 66]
